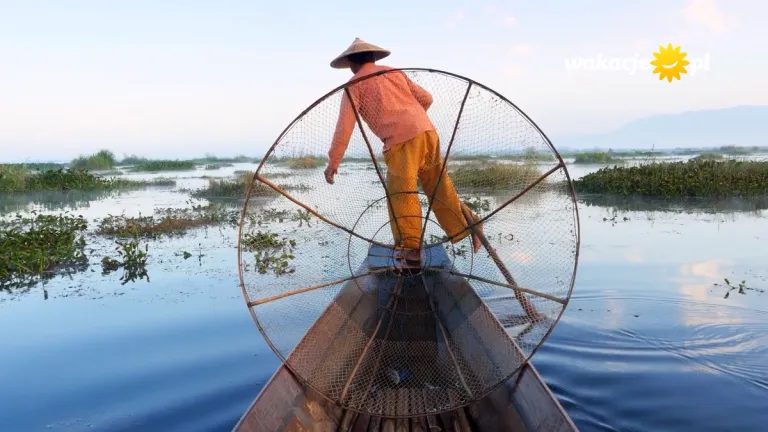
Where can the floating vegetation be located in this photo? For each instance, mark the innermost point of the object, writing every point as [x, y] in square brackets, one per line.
[13, 179]
[39, 247]
[742, 287]
[216, 166]
[305, 162]
[133, 160]
[493, 175]
[268, 216]
[278, 175]
[458, 251]
[597, 158]
[709, 156]
[225, 161]
[36, 166]
[111, 173]
[133, 261]
[169, 222]
[271, 252]
[301, 187]
[233, 188]
[694, 178]
[103, 160]
[164, 165]
[477, 205]
[615, 218]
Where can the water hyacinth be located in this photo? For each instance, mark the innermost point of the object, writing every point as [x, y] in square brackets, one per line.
[39, 245]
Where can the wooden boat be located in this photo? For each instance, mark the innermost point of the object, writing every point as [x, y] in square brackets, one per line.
[363, 309]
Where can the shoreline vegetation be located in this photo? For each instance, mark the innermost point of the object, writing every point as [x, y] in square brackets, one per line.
[729, 174]
[692, 178]
[17, 179]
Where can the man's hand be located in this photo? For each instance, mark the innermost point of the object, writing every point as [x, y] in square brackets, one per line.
[329, 173]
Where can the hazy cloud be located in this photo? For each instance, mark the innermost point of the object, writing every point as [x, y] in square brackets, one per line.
[522, 49]
[454, 20]
[706, 13]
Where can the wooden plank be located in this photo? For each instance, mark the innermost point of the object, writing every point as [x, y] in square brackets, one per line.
[375, 425]
[537, 406]
[446, 418]
[388, 425]
[462, 421]
[434, 425]
[362, 422]
[347, 420]
[401, 425]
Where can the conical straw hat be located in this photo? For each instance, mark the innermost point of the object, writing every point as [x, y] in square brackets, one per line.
[358, 46]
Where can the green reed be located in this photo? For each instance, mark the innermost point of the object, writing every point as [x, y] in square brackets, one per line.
[103, 160]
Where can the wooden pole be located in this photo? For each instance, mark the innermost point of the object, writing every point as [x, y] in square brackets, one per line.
[530, 310]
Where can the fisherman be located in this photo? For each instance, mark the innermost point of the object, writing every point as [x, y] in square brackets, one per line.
[395, 109]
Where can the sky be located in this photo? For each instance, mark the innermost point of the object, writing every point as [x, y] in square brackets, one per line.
[184, 78]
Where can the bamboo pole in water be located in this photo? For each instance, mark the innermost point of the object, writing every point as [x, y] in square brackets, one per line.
[530, 310]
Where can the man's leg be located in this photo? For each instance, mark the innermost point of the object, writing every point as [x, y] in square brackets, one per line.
[403, 162]
[446, 204]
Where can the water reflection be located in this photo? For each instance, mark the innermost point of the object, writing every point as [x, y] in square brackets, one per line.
[52, 200]
[680, 205]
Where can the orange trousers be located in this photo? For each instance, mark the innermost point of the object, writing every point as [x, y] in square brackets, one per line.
[410, 162]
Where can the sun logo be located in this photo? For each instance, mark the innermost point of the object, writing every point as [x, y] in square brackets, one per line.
[670, 62]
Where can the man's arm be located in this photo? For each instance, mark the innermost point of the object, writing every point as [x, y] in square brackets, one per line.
[345, 125]
[421, 95]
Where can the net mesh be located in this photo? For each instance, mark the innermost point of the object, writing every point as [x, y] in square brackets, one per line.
[321, 264]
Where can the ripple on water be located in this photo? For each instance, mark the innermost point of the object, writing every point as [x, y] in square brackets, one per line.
[682, 363]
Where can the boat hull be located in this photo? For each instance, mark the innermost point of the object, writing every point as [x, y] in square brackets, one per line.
[301, 397]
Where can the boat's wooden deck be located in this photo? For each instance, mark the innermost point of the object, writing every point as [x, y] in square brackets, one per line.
[522, 403]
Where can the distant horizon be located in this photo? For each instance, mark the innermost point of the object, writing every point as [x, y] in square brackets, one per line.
[561, 150]
[244, 148]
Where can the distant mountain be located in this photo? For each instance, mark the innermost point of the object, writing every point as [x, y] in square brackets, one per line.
[740, 126]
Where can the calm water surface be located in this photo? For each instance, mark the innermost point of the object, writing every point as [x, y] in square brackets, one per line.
[647, 343]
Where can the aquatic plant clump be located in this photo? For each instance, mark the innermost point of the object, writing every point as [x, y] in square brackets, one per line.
[492, 175]
[709, 156]
[306, 162]
[15, 179]
[216, 166]
[596, 158]
[103, 160]
[166, 222]
[271, 253]
[694, 178]
[233, 188]
[133, 261]
[12, 178]
[164, 165]
[40, 245]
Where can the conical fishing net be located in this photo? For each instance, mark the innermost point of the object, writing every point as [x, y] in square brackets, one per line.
[321, 264]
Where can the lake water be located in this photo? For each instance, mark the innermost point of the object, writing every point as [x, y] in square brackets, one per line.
[648, 341]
